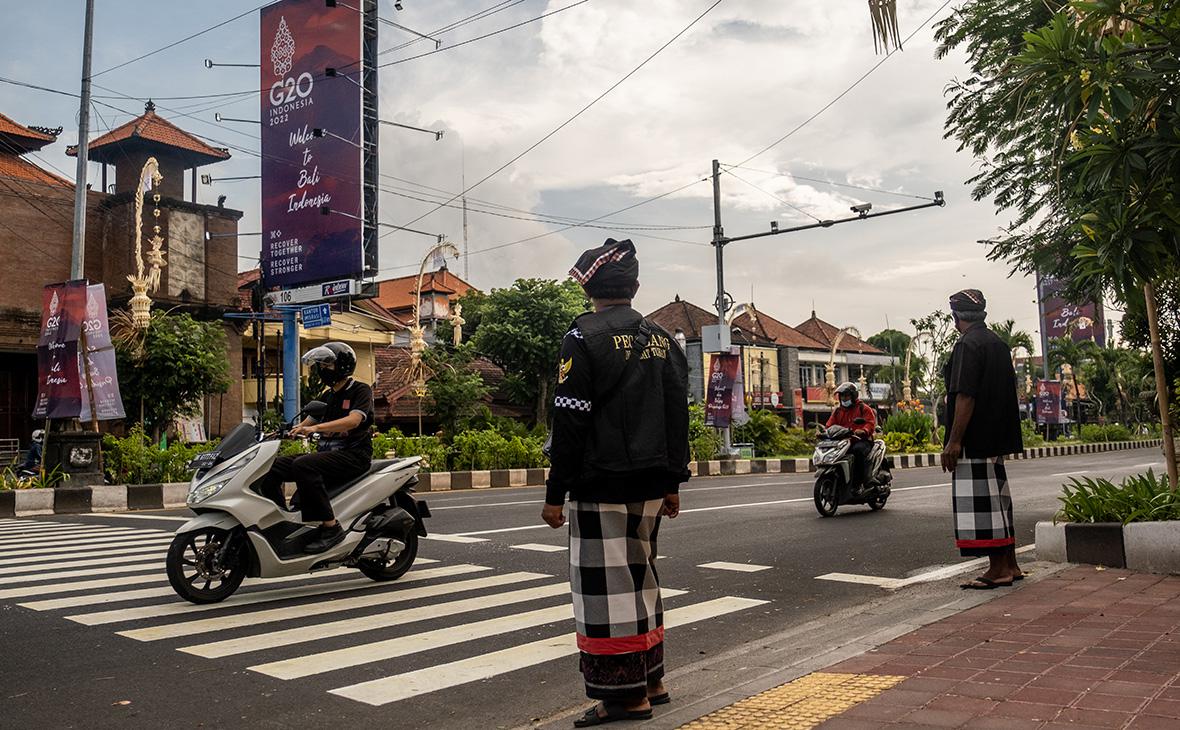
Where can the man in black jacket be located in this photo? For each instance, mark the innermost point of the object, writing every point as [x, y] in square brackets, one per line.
[620, 452]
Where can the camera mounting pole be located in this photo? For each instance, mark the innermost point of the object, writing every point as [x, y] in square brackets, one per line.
[720, 241]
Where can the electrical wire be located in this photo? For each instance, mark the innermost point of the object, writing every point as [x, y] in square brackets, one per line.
[796, 208]
[487, 13]
[580, 112]
[846, 91]
[793, 176]
[484, 36]
[186, 39]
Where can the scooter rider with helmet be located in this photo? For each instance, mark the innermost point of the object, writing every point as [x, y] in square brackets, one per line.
[32, 463]
[343, 453]
[846, 413]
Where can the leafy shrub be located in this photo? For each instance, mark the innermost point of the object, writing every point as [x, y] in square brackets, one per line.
[1030, 435]
[703, 441]
[136, 459]
[1094, 433]
[9, 480]
[765, 430]
[798, 442]
[432, 450]
[913, 421]
[1140, 498]
[295, 447]
[899, 442]
[489, 449]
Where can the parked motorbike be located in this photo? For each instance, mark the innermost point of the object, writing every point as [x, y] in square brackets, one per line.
[240, 533]
[833, 472]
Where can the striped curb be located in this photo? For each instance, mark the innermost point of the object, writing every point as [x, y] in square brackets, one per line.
[132, 497]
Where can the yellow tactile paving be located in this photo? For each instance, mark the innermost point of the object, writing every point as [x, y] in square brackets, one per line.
[798, 705]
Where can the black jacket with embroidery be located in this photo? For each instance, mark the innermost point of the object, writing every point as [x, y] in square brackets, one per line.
[618, 436]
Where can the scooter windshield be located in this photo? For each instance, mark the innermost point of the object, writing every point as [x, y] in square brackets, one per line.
[236, 441]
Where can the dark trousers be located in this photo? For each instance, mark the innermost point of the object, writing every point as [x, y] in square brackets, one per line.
[309, 472]
[860, 461]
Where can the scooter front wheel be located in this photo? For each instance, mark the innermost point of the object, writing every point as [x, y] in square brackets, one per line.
[195, 569]
[826, 501]
[877, 503]
[377, 570]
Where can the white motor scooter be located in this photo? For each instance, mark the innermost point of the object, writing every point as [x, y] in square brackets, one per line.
[240, 533]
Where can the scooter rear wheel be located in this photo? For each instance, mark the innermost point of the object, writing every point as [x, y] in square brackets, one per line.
[826, 500]
[194, 570]
[379, 571]
[877, 503]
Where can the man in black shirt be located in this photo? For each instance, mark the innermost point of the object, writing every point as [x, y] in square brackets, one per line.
[620, 452]
[983, 426]
[344, 453]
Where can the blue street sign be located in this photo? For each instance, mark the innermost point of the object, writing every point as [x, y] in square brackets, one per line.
[317, 315]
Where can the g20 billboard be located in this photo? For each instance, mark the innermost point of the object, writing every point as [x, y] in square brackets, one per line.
[311, 74]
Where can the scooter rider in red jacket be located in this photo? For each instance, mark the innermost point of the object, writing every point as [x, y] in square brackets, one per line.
[850, 409]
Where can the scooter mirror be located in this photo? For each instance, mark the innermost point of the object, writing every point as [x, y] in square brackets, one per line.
[315, 409]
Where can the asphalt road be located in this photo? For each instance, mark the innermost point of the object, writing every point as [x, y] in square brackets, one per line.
[93, 638]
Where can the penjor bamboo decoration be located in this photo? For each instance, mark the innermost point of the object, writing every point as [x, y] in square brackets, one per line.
[885, 30]
[141, 281]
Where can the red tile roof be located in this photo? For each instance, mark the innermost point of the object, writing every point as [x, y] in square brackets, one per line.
[150, 127]
[817, 329]
[683, 315]
[18, 138]
[397, 295]
[763, 324]
[396, 402]
[17, 167]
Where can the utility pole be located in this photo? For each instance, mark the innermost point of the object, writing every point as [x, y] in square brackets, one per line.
[79, 253]
[463, 182]
[719, 242]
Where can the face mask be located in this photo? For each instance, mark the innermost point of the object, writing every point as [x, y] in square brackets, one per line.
[328, 375]
[845, 403]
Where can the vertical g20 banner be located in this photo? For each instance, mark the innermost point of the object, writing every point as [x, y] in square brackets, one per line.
[1049, 408]
[1063, 318]
[74, 313]
[311, 142]
[724, 399]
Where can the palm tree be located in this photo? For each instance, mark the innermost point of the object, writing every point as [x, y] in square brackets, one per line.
[1015, 339]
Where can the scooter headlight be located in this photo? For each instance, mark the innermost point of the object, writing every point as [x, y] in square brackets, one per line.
[213, 483]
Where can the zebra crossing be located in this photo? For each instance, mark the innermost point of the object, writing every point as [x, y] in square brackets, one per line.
[371, 642]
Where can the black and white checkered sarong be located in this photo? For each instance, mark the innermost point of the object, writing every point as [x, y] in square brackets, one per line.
[982, 507]
[616, 595]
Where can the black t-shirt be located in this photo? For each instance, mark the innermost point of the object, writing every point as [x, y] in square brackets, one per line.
[981, 367]
[355, 397]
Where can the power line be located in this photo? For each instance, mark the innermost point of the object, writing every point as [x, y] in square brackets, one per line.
[486, 13]
[846, 91]
[793, 176]
[186, 39]
[486, 35]
[578, 113]
[733, 174]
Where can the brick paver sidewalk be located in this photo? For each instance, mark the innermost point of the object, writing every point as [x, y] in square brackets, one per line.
[1083, 648]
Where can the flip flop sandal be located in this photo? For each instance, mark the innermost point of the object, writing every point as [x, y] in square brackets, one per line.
[988, 584]
[1018, 577]
[613, 713]
[661, 699]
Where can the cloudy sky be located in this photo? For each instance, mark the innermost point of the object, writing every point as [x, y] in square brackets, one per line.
[741, 78]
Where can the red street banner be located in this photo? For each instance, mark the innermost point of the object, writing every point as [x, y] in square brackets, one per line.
[311, 142]
[1049, 402]
[59, 394]
[96, 326]
[724, 371]
[1080, 321]
[62, 306]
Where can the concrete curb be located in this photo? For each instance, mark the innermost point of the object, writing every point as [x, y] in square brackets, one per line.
[1149, 547]
[131, 497]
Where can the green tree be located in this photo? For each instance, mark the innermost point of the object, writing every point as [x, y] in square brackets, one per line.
[1114, 378]
[897, 344]
[520, 328]
[456, 391]
[1073, 110]
[165, 370]
[1015, 339]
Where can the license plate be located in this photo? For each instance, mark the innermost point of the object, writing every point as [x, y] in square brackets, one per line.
[829, 444]
[203, 461]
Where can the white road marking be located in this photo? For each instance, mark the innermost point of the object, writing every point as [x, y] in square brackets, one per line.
[736, 567]
[1070, 473]
[154, 547]
[106, 560]
[489, 504]
[252, 618]
[84, 585]
[183, 608]
[43, 577]
[95, 537]
[20, 556]
[122, 596]
[453, 538]
[39, 526]
[503, 529]
[928, 576]
[302, 634]
[139, 516]
[431, 679]
[541, 548]
[368, 653]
